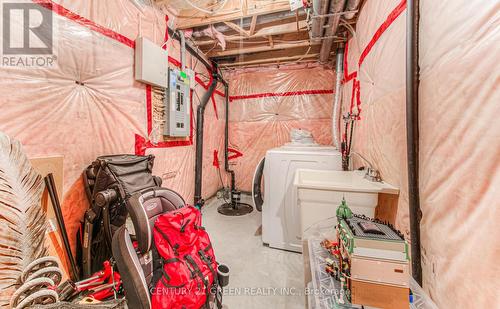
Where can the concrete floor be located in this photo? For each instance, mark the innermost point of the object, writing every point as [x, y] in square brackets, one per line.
[260, 277]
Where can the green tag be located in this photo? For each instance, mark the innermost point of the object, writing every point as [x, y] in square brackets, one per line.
[183, 75]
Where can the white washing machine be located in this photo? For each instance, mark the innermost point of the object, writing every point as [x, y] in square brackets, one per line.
[280, 213]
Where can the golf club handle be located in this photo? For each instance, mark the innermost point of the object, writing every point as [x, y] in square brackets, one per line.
[54, 199]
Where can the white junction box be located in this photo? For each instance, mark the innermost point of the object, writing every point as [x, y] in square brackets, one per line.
[178, 105]
[151, 63]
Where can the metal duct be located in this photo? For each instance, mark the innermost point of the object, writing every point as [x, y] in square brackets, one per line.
[183, 50]
[336, 6]
[338, 93]
[352, 5]
[319, 8]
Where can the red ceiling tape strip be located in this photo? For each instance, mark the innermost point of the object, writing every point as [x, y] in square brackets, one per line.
[356, 87]
[140, 142]
[390, 19]
[60, 10]
[279, 94]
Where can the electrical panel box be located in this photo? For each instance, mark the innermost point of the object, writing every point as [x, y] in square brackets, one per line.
[178, 105]
[151, 63]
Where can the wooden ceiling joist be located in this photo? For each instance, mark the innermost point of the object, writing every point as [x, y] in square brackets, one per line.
[267, 60]
[237, 28]
[263, 32]
[257, 49]
[190, 18]
[253, 24]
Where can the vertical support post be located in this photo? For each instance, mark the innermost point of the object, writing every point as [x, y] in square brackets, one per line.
[412, 134]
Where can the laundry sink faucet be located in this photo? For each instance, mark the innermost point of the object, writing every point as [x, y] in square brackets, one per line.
[372, 174]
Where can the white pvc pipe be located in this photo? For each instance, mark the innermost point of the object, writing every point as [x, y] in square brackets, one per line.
[337, 97]
[183, 50]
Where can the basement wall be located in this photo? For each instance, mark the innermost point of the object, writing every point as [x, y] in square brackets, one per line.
[88, 103]
[267, 103]
[459, 135]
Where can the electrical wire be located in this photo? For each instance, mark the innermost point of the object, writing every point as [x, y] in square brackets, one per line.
[303, 56]
[213, 47]
[204, 10]
[223, 188]
[158, 113]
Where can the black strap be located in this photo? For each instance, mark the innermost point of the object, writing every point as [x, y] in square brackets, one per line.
[172, 260]
[157, 267]
[168, 285]
[164, 236]
[183, 226]
[208, 261]
[191, 270]
[197, 270]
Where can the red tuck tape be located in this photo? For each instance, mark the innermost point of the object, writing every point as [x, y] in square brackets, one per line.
[356, 88]
[389, 20]
[279, 94]
[236, 153]
[140, 142]
[62, 11]
[347, 76]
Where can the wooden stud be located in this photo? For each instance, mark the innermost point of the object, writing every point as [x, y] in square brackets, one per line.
[263, 32]
[289, 58]
[253, 24]
[237, 28]
[257, 49]
[190, 18]
[271, 43]
[297, 19]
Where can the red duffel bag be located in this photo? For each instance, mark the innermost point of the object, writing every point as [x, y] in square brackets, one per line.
[186, 270]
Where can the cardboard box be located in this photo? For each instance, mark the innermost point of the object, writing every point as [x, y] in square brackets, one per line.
[378, 295]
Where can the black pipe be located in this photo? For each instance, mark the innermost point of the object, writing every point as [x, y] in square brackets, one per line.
[226, 140]
[412, 134]
[235, 207]
[190, 49]
[198, 201]
[200, 117]
[54, 199]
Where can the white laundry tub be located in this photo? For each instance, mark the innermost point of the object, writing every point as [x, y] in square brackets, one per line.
[319, 193]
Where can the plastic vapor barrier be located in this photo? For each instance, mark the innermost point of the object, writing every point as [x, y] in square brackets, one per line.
[459, 139]
[88, 104]
[267, 103]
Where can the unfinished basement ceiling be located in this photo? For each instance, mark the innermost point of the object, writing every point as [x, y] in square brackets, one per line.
[237, 33]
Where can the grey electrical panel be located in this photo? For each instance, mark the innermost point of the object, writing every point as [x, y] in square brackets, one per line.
[177, 105]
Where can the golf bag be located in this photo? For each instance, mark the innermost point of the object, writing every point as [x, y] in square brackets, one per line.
[109, 182]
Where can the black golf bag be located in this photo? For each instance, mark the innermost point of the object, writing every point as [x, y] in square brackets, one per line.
[109, 182]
